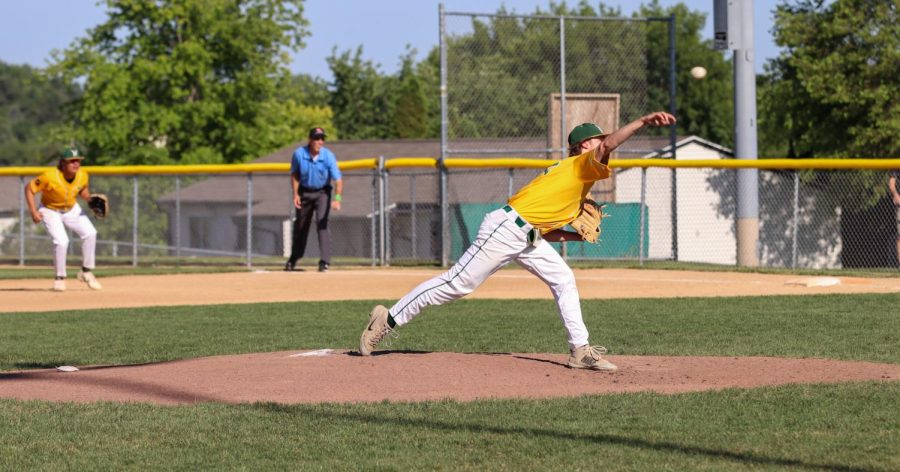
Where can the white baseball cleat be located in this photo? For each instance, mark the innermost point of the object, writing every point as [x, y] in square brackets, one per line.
[377, 329]
[588, 357]
[89, 279]
[59, 285]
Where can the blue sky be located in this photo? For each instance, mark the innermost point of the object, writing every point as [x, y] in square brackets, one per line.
[30, 30]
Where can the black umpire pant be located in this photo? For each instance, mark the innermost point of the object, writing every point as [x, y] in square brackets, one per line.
[318, 202]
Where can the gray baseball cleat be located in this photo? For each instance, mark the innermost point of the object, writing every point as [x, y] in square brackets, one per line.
[376, 330]
[588, 357]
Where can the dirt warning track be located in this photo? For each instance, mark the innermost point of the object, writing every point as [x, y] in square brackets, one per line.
[30, 295]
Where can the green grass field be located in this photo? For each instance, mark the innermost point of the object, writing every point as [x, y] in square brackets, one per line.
[851, 427]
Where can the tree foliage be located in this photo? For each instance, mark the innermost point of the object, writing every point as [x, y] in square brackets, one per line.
[31, 115]
[833, 90]
[704, 107]
[184, 80]
[361, 98]
[503, 69]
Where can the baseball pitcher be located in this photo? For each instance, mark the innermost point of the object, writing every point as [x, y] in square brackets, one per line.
[59, 210]
[519, 231]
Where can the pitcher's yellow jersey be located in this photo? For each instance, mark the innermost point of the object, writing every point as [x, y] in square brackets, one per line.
[553, 199]
[56, 192]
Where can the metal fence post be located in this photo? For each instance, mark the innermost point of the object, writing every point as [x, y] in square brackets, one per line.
[412, 197]
[642, 210]
[178, 218]
[509, 189]
[21, 220]
[134, 221]
[673, 136]
[374, 232]
[381, 205]
[445, 218]
[445, 227]
[796, 219]
[562, 87]
[249, 219]
[387, 217]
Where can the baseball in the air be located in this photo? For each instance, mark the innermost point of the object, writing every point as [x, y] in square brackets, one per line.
[698, 72]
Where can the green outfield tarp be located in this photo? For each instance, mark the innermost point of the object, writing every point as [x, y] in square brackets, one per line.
[619, 239]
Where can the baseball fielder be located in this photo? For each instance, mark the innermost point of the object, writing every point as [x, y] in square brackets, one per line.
[59, 210]
[518, 232]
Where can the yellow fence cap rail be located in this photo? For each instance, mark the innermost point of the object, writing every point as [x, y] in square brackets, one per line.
[410, 162]
[771, 164]
[357, 164]
[501, 163]
[469, 163]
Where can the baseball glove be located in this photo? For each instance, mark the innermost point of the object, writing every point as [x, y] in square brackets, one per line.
[587, 223]
[99, 204]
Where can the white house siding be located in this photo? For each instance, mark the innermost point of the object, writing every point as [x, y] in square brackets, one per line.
[705, 217]
[658, 198]
[706, 228]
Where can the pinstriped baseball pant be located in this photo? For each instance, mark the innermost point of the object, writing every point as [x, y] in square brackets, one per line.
[500, 240]
[74, 219]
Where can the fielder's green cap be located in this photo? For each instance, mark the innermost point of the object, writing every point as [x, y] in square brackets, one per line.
[71, 153]
[584, 131]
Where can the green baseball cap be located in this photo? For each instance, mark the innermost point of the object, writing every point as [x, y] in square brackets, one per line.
[70, 153]
[584, 131]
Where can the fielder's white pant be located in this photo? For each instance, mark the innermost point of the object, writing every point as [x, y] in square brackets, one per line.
[56, 223]
[501, 240]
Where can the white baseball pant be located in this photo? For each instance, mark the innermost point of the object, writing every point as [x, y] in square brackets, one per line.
[503, 237]
[56, 223]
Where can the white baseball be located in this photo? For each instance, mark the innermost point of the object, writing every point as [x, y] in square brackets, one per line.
[698, 72]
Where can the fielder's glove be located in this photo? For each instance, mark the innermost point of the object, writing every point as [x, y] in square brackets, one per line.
[587, 223]
[99, 204]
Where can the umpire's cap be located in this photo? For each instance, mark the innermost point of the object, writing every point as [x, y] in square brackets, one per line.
[584, 131]
[317, 132]
[70, 153]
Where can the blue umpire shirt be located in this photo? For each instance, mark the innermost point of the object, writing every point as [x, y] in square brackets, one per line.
[315, 174]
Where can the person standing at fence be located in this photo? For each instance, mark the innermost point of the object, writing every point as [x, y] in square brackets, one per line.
[317, 185]
[894, 186]
[519, 232]
[59, 209]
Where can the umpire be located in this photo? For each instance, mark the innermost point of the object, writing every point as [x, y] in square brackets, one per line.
[313, 170]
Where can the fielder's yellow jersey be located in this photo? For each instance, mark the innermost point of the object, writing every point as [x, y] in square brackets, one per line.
[56, 192]
[553, 199]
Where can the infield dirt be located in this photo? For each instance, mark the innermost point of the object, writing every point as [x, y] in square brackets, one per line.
[391, 283]
[341, 376]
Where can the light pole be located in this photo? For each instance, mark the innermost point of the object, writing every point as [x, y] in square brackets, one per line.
[733, 22]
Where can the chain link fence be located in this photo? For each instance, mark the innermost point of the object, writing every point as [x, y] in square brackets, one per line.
[808, 219]
[517, 83]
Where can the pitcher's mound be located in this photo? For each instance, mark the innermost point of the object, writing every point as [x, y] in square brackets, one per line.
[402, 376]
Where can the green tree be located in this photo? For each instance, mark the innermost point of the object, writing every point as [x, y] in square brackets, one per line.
[368, 104]
[833, 90]
[503, 70]
[411, 110]
[704, 107]
[306, 90]
[31, 115]
[183, 80]
[362, 97]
